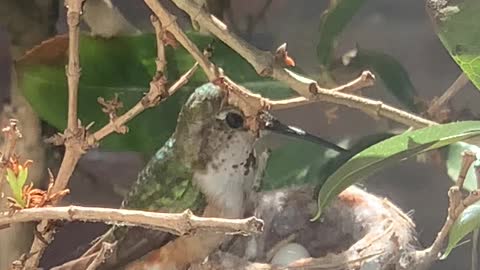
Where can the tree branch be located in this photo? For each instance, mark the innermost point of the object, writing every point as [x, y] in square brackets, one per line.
[424, 258]
[73, 150]
[169, 23]
[105, 251]
[75, 137]
[161, 60]
[155, 95]
[364, 80]
[456, 86]
[178, 223]
[73, 67]
[264, 63]
[74, 132]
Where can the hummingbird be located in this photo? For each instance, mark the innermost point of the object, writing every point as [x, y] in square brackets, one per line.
[209, 164]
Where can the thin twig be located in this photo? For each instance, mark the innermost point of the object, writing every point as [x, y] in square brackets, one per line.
[11, 134]
[457, 205]
[74, 133]
[468, 157]
[75, 138]
[169, 23]
[161, 60]
[73, 147]
[73, 68]
[179, 224]
[105, 252]
[456, 86]
[364, 80]
[152, 98]
[264, 63]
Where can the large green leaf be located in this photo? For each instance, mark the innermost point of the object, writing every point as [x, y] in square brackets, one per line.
[456, 23]
[125, 65]
[393, 75]
[329, 167]
[453, 157]
[283, 170]
[332, 23]
[468, 221]
[392, 151]
[314, 165]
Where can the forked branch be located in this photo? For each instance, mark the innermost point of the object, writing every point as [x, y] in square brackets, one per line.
[155, 95]
[264, 63]
[75, 138]
[457, 204]
[456, 86]
[74, 133]
[169, 22]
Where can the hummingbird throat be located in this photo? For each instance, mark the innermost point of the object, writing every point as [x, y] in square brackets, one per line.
[229, 174]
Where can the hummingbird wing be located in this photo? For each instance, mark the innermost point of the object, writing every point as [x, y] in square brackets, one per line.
[164, 185]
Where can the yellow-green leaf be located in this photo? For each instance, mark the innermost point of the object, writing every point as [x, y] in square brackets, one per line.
[22, 177]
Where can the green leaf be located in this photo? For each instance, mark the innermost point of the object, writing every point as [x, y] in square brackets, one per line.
[332, 23]
[15, 187]
[22, 177]
[333, 164]
[457, 27]
[392, 151]
[468, 221]
[315, 163]
[12, 180]
[283, 170]
[453, 157]
[393, 75]
[125, 65]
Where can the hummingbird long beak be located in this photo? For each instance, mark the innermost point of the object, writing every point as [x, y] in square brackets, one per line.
[274, 125]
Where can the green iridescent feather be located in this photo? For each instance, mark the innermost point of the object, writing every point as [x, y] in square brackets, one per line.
[165, 184]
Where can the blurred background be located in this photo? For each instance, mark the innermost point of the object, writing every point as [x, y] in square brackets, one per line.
[401, 29]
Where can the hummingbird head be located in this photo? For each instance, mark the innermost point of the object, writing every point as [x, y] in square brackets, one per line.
[207, 126]
[213, 138]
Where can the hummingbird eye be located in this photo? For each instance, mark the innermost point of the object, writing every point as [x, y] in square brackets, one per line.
[234, 120]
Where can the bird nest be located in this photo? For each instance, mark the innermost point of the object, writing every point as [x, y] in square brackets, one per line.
[358, 231]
